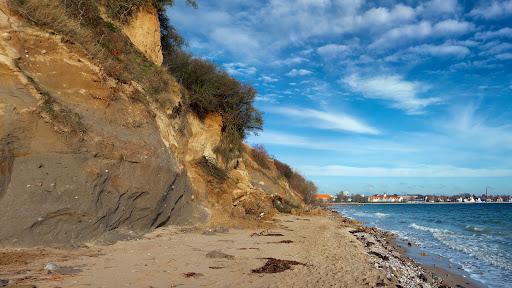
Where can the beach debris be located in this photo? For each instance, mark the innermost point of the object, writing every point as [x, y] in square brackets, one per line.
[266, 233]
[218, 254]
[216, 267]
[4, 282]
[215, 230]
[380, 255]
[192, 275]
[409, 244]
[423, 253]
[281, 242]
[274, 265]
[52, 268]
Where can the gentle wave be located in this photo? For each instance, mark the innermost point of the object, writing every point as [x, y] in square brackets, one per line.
[371, 215]
[476, 237]
[477, 229]
[429, 229]
[468, 245]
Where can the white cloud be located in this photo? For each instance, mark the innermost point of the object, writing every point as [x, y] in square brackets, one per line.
[422, 30]
[401, 93]
[469, 126]
[495, 47]
[299, 72]
[291, 61]
[268, 98]
[504, 56]
[452, 27]
[417, 171]
[493, 10]
[441, 50]
[382, 16]
[332, 50]
[436, 7]
[239, 69]
[503, 32]
[268, 79]
[352, 146]
[327, 121]
[237, 41]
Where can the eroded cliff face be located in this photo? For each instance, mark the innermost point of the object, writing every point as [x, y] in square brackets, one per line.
[144, 32]
[81, 159]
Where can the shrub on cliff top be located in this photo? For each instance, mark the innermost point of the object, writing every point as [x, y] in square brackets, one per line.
[212, 90]
[123, 11]
[307, 189]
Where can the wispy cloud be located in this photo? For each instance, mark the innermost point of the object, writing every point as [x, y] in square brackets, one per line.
[469, 125]
[268, 79]
[348, 146]
[299, 72]
[327, 121]
[401, 93]
[417, 171]
[237, 69]
[441, 50]
[422, 30]
[332, 50]
[505, 32]
[492, 10]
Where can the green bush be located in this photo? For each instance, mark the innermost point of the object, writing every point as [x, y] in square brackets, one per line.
[212, 90]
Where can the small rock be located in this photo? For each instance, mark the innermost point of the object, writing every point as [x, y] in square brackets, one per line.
[409, 244]
[423, 277]
[51, 268]
[43, 51]
[3, 282]
[221, 229]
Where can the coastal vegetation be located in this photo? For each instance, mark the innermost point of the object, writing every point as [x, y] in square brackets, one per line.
[306, 188]
[209, 89]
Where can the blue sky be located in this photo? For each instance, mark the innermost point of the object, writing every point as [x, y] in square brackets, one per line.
[372, 96]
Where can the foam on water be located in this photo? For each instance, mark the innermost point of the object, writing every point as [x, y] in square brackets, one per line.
[476, 237]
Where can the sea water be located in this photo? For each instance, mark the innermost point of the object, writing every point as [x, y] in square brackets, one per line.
[475, 237]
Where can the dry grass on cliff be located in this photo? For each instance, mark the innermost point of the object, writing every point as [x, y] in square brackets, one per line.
[80, 22]
[307, 189]
[210, 90]
[260, 155]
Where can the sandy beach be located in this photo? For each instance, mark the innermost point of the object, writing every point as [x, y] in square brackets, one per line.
[326, 251]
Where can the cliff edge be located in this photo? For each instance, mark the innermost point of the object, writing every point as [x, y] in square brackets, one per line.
[86, 156]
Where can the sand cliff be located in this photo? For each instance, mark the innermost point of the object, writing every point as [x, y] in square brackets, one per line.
[82, 159]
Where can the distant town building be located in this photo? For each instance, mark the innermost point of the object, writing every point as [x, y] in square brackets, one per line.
[385, 199]
[325, 198]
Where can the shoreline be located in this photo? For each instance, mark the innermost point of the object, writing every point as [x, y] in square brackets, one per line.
[329, 250]
[440, 276]
[411, 203]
